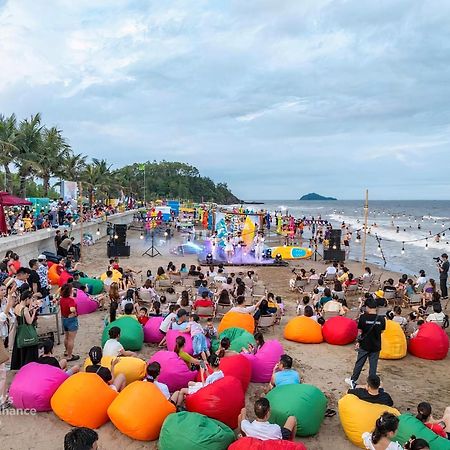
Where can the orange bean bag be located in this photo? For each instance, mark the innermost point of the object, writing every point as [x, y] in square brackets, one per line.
[393, 341]
[303, 329]
[237, 320]
[140, 410]
[133, 368]
[83, 400]
[53, 275]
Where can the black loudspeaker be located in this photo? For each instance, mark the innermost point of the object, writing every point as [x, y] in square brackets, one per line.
[113, 250]
[334, 255]
[335, 239]
[120, 231]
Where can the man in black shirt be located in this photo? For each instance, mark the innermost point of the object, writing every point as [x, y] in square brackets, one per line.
[48, 358]
[443, 275]
[372, 392]
[33, 280]
[58, 239]
[369, 341]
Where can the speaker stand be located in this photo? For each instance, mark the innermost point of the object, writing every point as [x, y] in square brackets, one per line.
[152, 251]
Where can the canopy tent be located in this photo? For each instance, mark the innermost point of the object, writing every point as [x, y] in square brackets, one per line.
[9, 200]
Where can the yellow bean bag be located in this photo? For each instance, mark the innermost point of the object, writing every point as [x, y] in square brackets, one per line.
[303, 329]
[83, 400]
[117, 276]
[133, 368]
[393, 341]
[237, 320]
[358, 416]
[140, 410]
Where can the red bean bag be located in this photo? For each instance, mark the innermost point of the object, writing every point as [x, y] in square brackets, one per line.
[246, 443]
[303, 329]
[264, 361]
[221, 400]
[64, 277]
[174, 371]
[152, 335]
[171, 337]
[85, 304]
[340, 330]
[237, 320]
[431, 342]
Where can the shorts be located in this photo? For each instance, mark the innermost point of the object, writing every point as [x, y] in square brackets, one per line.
[286, 433]
[70, 324]
[199, 344]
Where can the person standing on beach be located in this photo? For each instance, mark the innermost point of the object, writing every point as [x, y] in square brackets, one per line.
[369, 341]
[443, 275]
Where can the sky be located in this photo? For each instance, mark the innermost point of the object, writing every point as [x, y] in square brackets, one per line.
[277, 98]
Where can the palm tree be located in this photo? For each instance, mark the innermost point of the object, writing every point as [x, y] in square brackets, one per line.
[96, 177]
[8, 138]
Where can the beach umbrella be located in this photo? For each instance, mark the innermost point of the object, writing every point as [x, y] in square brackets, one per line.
[7, 199]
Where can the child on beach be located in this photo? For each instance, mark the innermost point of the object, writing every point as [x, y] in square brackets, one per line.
[165, 324]
[199, 343]
[398, 317]
[210, 330]
[143, 316]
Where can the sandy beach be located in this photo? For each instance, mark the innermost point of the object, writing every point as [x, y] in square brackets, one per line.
[409, 380]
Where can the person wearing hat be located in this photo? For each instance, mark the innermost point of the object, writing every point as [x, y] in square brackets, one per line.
[42, 271]
[181, 322]
[379, 298]
[368, 346]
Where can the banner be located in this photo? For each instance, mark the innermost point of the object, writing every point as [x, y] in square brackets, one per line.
[69, 191]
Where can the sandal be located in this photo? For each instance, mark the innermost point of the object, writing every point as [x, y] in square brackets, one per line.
[74, 358]
[330, 412]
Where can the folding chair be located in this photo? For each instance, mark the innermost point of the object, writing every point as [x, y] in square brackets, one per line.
[352, 289]
[329, 314]
[162, 284]
[204, 311]
[266, 322]
[175, 278]
[221, 310]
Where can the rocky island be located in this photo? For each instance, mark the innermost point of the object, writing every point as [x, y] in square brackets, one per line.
[314, 196]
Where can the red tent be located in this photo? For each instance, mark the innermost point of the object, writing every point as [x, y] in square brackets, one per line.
[9, 200]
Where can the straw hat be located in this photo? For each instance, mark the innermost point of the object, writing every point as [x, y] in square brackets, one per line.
[379, 293]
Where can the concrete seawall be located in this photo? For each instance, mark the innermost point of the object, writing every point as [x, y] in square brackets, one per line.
[29, 245]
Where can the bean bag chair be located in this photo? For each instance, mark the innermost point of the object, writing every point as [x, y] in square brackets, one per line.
[140, 410]
[393, 341]
[257, 444]
[174, 371]
[171, 337]
[64, 277]
[34, 385]
[239, 338]
[133, 368]
[53, 275]
[192, 431]
[85, 305]
[83, 400]
[116, 277]
[430, 343]
[221, 400]
[131, 333]
[358, 416]
[152, 335]
[237, 320]
[304, 401]
[264, 361]
[340, 330]
[95, 286]
[303, 329]
[409, 426]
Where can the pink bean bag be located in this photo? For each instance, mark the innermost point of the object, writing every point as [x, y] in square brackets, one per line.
[431, 342]
[174, 371]
[340, 330]
[64, 278]
[172, 336]
[152, 334]
[34, 385]
[85, 305]
[264, 361]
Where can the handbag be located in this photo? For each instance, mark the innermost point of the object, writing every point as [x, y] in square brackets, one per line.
[4, 354]
[26, 334]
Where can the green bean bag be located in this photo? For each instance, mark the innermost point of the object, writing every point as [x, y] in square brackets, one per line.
[239, 338]
[304, 401]
[193, 431]
[95, 285]
[131, 333]
[409, 426]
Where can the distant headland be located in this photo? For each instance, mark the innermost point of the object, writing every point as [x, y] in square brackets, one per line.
[314, 196]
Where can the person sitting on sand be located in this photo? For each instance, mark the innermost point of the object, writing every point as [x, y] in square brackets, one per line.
[397, 317]
[253, 349]
[301, 306]
[128, 311]
[380, 439]
[437, 316]
[153, 371]
[117, 382]
[81, 438]
[283, 373]
[48, 358]
[440, 427]
[113, 347]
[417, 444]
[260, 428]
[143, 316]
[224, 348]
[372, 392]
[309, 312]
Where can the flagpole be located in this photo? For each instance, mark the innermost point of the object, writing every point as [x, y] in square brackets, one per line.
[366, 215]
[144, 183]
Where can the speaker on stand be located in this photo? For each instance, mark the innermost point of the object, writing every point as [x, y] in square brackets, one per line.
[334, 252]
[117, 244]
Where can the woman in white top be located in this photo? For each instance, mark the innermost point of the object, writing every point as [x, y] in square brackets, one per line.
[421, 281]
[380, 438]
[437, 316]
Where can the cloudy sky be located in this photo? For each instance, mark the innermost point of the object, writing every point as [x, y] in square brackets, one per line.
[275, 97]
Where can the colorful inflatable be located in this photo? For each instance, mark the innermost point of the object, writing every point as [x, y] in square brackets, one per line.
[34, 385]
[133, 368]
[209, 434]
[95, 285]
[393, 341]
[83, 400]
[131, 333]
[264, 361]
[53, 275]
[304, 401]
[152, 335]
[140, 410]
[174, 371]
[409, 426]
[238, 337]
[430, 343]
[85, 305]
[237, 320]
[64, 278]
[340, 330]
[290, 252]
[221, 400]
[358, 416]
[246, 443]
[303, 329]
[171, 337]
[116, 277]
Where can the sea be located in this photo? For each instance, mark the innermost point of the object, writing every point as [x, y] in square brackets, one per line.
[394, 225]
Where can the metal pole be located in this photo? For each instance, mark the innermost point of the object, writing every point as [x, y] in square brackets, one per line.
[366, 216]
[144, 183]
[81, 219]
